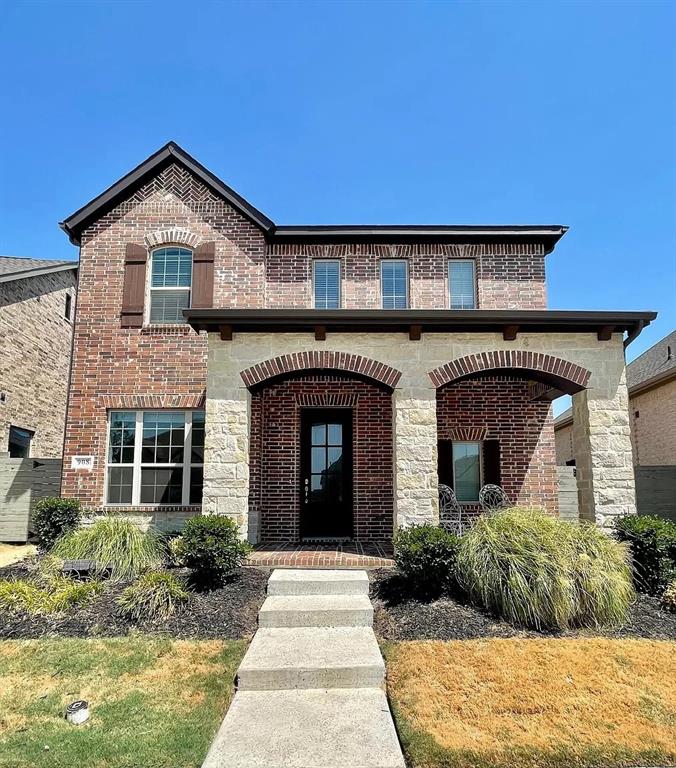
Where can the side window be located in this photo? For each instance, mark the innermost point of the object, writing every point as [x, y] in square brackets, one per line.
[467, 470]
[394, 283]
[326, 282]
[19, 446]
[462, 284]
[170, 284]
[68, 308]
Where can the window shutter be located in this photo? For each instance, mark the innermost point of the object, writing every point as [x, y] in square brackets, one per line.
[445, 462]
[491, 462]
[203, 275]
[133, 294]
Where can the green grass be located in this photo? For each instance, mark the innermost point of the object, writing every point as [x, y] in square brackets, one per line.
[154, 703]
[57, 595]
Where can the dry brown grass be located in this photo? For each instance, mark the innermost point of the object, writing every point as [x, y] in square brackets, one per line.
[484, 702]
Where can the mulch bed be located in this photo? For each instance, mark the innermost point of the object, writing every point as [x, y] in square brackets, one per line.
[229, 612]
[399, 616]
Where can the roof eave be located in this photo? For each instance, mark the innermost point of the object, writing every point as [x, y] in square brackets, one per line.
[23, 274]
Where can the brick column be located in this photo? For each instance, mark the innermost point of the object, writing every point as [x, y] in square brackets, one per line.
[416, 498]
[602, 447]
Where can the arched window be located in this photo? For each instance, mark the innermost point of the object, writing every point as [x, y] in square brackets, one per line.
[170, 284]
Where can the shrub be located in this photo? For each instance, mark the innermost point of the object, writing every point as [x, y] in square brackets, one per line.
[117, 546]
[537, 571]
[669, 598]
[425, 557]
[157, 595]
[53, 517]
[652, 542]
[212, 548]
[58, 596]
[175, 551]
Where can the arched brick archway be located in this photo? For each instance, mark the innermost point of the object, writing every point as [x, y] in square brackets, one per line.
[320, 360]
[566, 376]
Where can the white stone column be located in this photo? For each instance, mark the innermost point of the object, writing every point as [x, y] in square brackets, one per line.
[602, 446]
[226, 441]
[416, 497]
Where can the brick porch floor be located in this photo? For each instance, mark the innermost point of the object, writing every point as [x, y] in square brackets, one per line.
[352, 554]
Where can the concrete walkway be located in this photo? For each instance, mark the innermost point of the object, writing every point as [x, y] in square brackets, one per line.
[310, 687]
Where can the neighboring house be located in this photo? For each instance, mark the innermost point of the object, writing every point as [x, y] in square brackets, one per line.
[651, 381]
[37, 305]
[319, 381]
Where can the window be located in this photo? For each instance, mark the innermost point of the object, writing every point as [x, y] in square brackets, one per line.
[19, 445]
[461, 284]
[467, 471]
[327, 284]
[394, 283]
[69, 306]
[170, 284]
[155, 457]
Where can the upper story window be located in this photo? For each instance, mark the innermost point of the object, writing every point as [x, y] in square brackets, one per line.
[170, 284]
[394, 283]
[462, 284]
[326, 280]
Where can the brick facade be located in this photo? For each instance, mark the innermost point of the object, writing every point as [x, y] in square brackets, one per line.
[35, 347]
[274, 462]
[500, 408]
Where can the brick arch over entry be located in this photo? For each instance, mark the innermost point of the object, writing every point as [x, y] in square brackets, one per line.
[320, 360]
[566, 376]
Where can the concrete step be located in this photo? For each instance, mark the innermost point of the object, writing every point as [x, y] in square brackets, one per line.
[313, 582]
[313, 728]
[312, 657]
[316, 611]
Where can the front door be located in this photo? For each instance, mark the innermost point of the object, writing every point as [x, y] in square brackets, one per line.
[326, 473]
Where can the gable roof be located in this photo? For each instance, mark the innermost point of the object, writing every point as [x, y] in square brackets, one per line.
[654, 366]
[173, 153]
[17, 267]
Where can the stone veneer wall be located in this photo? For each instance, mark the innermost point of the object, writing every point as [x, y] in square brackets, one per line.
[500, 408]
[35, 347]
[274, 462]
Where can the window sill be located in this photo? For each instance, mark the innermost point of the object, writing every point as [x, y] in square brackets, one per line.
[175, 329]
[151, 508]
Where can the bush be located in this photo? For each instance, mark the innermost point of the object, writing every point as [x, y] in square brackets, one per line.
[425, 558]
[175, 554]
[157, 595]
[652, 542]
[58, 596]
[118, 547]
[53, 517]
[212, 548]
[537, 571]
[669, 598]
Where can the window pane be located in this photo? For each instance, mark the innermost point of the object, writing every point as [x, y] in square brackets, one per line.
[335, 434]
[122, 432]
[461, 282]
[196, 483]
[171, 268]
[161, 486]
[394, 282]
[19, 445]
[163, 437]
[467, 470]
[318, 460]
[327, 284]
[168, 306]
[120, 485]
[319, 434]
[197, 437]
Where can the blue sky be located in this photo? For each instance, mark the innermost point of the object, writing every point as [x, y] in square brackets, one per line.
[365, 112]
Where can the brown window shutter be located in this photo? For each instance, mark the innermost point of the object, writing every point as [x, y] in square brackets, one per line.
[445, 462]
[491, 450]
[203, 275]
[133, 295]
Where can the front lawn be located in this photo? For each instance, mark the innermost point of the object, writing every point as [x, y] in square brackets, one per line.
[536, 703]
[155, 703]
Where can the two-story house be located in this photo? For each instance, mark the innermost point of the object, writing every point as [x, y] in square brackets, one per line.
[318, 382]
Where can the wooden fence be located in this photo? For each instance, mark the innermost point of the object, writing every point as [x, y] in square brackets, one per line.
[22, 483]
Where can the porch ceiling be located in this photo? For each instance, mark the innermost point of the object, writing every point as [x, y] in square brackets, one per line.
[415, 322]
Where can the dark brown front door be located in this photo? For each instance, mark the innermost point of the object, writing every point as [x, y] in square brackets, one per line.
[326, 473]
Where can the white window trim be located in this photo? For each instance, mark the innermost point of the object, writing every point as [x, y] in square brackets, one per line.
[149, 279]
[382, 292]
[340, 281]
[138, 465]
[474, 283]
[481, 466]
